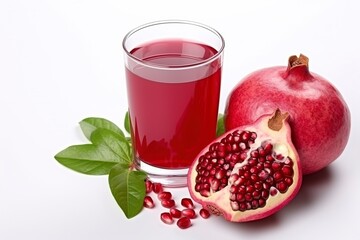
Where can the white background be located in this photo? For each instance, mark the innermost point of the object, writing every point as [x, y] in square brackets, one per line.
[62, 61]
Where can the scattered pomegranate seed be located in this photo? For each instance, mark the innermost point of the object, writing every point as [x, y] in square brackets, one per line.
[188, 212]
[166, 218]
[168, 203]
[148, 185]
[184, 216]
[204, 213]
[164, 195]
[184, 222]
[175, 213]
[157, 188]
[188, 203]
[148, 202]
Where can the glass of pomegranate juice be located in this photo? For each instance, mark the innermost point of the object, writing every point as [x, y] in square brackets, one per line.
[173, 75]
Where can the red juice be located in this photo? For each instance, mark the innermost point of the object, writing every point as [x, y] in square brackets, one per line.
[173, 105]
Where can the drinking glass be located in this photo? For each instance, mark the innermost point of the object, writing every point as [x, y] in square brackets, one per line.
[173, 78]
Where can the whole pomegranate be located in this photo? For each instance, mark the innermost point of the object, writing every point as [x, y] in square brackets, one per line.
[249, 172]
[320, 118]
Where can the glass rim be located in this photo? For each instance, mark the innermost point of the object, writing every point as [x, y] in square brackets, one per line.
[158, 66]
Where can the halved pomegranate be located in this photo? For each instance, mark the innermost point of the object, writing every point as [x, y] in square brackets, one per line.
[249, 172]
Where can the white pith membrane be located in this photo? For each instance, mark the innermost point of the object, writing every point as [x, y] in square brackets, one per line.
[218, 202]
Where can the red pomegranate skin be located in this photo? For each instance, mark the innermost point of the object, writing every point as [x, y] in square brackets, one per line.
[319, 116]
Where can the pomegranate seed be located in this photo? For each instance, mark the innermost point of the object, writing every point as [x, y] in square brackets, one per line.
[288, 171]
[258, 186]
[164, 195]
[268, 148]
[240, 181]
[262, 152]
[148, 202]
[273, 192]
[157, 188]
[242, 146]
[276, 166]
[265, 194]
[168, 203]
[240, 197]
[253, 136]
[256, 194]
[248, 197]
[288, 161]
[233, 196]
[270, 158]
[234, 205]
[262, 202]
[148, 185]
[229, 138]
[247, 175]
[288, 181]
[220, 173]
[250, 189]
[236, 137]
[215, 183]
[254, 153]
[188, 203]
[188, 212]
[204, 213]
[255, 204]
[233, 178]
[266, 186]
[282, 187]
[245, 135]
[233, 189]
[254, 178]
[252, 162]
[270, 180]
[184, 222]
[175, 213]
[278, 176]
[166, 218]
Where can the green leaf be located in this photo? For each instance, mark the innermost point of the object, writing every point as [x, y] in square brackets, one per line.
[220, 128]
[89, 125]
[127, 122]
[116, 143]
[128, 189]
[129, 140]
[89, 159]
